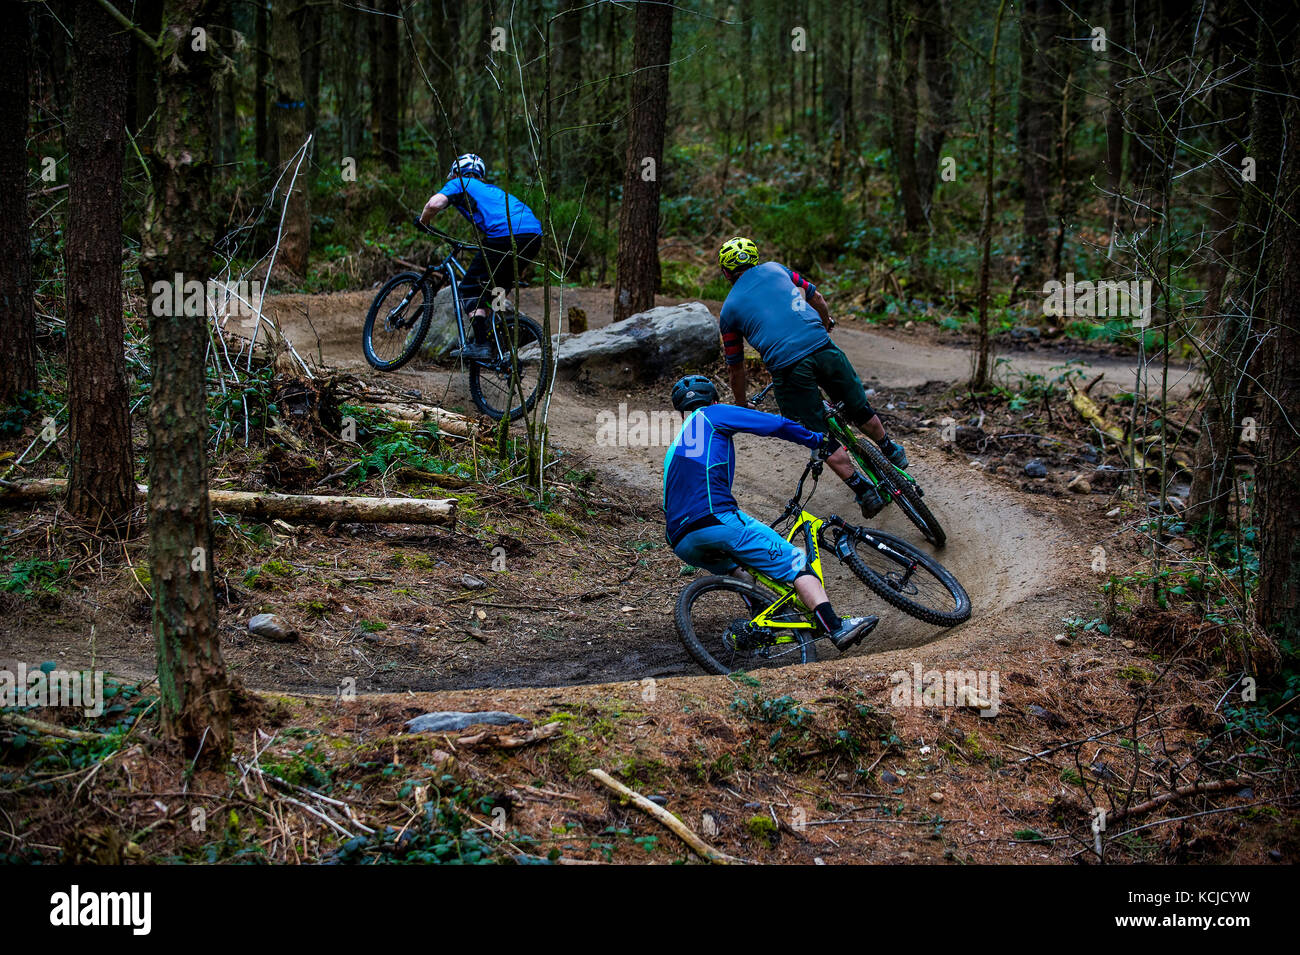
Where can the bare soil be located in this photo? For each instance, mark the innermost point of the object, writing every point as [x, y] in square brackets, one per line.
[577, 630]
[587, 596]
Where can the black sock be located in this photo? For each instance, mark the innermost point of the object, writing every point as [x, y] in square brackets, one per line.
[857, 484]
[883, 442]
[827, 617]
[480, 330]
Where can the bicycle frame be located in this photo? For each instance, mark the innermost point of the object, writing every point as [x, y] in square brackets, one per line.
[808, 526]
[844, 433]
[451, 269]
[454, 272]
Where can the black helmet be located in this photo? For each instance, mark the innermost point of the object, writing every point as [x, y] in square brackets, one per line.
[693, 391]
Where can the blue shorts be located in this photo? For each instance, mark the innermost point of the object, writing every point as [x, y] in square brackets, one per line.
[738, 539]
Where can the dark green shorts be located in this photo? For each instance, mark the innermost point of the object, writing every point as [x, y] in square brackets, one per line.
[799, 389]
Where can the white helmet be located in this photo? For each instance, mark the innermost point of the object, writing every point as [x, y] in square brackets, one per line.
[468, 165]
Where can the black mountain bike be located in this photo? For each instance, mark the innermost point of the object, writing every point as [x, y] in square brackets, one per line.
[508, 381]
[893, 483]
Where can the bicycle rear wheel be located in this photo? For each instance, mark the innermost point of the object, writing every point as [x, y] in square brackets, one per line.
[514, 381]
[397, 321]
[904, 576]
[712, 617]
[905, 492]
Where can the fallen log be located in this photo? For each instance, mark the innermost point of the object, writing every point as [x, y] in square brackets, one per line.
[1088, 410]
[269, 505]
[451, 481]
[1195, 789]
[675, 825]
[49, 729]
[447, 421]
[494, 738]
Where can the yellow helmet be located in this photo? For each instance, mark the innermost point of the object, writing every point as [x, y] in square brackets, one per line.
[738, 253]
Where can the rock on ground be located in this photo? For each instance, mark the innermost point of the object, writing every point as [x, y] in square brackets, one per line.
[645, 346]
[445, 720]
[442, 336]
[271, 627]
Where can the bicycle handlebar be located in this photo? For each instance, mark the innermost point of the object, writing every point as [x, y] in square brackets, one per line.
[795, 504]
[438, 234]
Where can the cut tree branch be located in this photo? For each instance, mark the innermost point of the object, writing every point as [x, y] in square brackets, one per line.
[268, 505]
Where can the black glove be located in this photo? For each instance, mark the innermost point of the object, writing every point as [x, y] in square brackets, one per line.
[420, 224]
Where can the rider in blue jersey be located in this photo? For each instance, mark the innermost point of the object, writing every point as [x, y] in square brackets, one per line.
[706, 527]
[508, 231]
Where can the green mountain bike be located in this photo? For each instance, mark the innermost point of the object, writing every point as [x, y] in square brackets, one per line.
[728, 624]
[893, 483]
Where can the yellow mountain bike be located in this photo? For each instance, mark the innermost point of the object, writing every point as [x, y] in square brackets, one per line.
[728, 624]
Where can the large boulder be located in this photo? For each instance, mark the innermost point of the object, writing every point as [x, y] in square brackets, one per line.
[442, 336]
[646, 345]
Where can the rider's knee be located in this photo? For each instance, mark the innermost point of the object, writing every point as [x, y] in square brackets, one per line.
[864, 415]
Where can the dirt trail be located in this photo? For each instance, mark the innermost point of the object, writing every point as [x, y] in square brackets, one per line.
[329, 325]
[1019, 562]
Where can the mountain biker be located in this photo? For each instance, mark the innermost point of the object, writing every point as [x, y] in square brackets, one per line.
[508, 231]
[786, 319]
[705, 526]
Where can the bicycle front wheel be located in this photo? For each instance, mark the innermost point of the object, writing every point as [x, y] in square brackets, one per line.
[397, 321]
[902, 490]
[713, 620]
[904, 576]
[513, 382]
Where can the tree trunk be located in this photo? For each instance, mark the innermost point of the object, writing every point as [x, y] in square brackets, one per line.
[1068, 102]
[388, 102]
[177, 238]
[904, 55]
[1231, 289]
[1278, 518]
[351, 115]
[982, 378]
[309, 37]
[748, 119]
[835, 92]
[227, 119]
[291, 132]
[261, 67]
[566, 96]
[1116, 72]
[1039, 109]
[101, 485]
[144, 99]
[446, 120]
[936, 42]
[483, 64]
[638, 227]
[17, 312]
[1151, 146]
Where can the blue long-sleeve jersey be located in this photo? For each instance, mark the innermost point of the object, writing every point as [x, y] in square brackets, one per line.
[701, 463]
